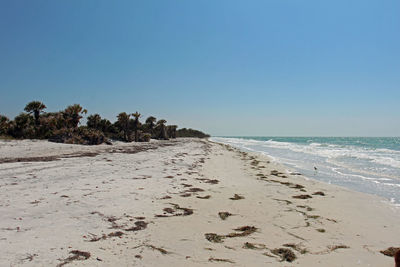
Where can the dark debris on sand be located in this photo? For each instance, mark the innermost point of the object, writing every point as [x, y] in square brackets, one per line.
[302, 196]
[76, 255]
[236, 197]
[139, 225]
[390, 251]
[286, 254]
[220, 260]
[224, 214]
[240, 232]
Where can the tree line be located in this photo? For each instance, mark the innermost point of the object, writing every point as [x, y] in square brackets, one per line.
[64, 126]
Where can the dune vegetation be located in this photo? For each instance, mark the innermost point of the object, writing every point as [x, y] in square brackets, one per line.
[65, 126]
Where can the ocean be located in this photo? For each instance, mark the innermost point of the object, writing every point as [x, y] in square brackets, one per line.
[365, 164]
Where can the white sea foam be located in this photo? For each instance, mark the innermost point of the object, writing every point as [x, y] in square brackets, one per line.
[380, 156]
[362, 168]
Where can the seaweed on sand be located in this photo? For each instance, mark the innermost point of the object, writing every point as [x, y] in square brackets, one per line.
[204, 197]
[172, 211]
[285, 254]
[161, 250]
[240, 232]
[249, 245]
[335, 247]
[76, 255]
[391, 251]
[296, 247]
[302, 196]
[236, 197]
[214, 238]
[244, 231]
[139, 225]
[224, 214]
[195, 189]
[220, 260]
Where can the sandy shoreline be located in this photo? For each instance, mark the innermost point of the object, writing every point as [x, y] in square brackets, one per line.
[158, 204]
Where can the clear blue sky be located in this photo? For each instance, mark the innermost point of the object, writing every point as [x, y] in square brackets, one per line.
[267, 67]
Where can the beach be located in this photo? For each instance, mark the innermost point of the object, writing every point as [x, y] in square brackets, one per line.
[182, 202]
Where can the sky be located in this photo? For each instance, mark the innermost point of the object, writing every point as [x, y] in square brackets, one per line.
[227, 67]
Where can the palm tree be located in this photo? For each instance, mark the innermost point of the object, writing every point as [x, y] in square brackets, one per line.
[171, 130]
[35, 107]
[72, 115]
[123, 124]
[4, 124]
[162, 131]
[93, 121]
[136, 125]
[23, 126]
[150, 123]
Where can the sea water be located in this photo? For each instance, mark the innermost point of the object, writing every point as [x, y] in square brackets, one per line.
[366, 164]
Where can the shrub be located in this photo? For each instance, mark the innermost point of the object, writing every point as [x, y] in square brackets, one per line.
[190, 133]
[145, 137]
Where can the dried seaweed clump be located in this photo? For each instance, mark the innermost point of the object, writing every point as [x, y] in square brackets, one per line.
[139, 225]
[302, 196]
[390, 251]
[161, 250]
[236, 197]
[249, 245]
[335, 247]
[285, 254]
[224, 214]
[220, 260]
[245, 231]
[214, 238]
[173, 211]
[296, 247]
[77, 255]
[204, 197]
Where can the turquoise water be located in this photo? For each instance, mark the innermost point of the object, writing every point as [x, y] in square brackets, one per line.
[365, 164]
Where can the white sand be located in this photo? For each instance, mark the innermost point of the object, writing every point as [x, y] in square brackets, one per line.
[48, 209]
